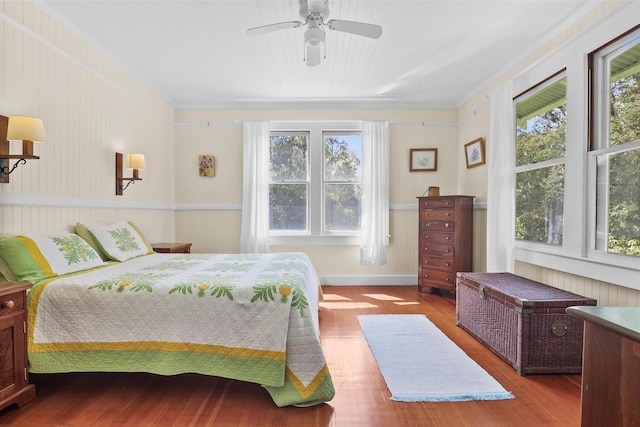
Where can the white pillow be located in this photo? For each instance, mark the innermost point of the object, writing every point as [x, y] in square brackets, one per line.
[120, 241]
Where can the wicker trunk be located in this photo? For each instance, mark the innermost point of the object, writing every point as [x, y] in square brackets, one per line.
[522, 321]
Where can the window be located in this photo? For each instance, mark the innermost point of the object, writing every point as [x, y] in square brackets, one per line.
[540, 163]
[615, 151]
[315, 179]
[342, 181]
[289, 181]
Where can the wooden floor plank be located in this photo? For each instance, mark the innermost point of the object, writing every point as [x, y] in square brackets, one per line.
[362, 398]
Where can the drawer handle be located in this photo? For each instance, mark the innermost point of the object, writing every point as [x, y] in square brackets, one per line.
[8, 304]
[447, 238]
[483, 292]
[446, 251]
[446, 225]
[447, 264]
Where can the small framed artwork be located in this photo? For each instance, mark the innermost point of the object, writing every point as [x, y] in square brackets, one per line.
[423, 159]
[207, 165]
[474, 153]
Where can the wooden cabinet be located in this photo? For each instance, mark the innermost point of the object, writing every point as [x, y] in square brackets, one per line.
[610, 366]
[14, 381]
[444, 241]
[172, 248]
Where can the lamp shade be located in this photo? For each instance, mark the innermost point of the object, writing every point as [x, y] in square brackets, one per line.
[23, 128]
[135, 161]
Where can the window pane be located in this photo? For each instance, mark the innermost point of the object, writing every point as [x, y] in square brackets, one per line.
[540, 205]
[624, 97]
[289, 156]
[541, 125]
[342, 154]
[620, 174]
[342, 207]
[288, 207]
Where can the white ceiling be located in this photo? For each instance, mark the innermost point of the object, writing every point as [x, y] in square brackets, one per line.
[432, 54]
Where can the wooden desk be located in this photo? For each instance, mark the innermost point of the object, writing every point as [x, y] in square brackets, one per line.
[610, 365]
[172, 248]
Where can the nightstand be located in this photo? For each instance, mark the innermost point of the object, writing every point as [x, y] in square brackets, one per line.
[172, 248]
[14, 381]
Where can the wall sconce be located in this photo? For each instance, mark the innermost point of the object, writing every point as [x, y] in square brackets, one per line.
[18, 128]
[132, 161]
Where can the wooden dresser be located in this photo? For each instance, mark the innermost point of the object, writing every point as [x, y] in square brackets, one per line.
[444, 241]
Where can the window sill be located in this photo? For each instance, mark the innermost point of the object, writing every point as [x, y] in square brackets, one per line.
[626, 276]
[314, 240]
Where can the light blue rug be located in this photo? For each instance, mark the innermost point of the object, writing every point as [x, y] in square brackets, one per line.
[420, 363]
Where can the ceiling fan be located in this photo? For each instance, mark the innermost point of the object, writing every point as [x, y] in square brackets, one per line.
[314, 13]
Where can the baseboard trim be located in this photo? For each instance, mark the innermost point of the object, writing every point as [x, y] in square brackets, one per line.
[395, 280]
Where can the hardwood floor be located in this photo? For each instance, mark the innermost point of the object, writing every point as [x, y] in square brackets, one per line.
[362, 398]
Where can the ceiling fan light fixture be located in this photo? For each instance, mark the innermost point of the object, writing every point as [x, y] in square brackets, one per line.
[314, 13]
[314, 36]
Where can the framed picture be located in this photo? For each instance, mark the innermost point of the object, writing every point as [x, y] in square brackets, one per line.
[474, 153]
[423, 159]
[207, 165]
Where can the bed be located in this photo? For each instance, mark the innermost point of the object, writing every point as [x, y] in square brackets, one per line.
[250, 317]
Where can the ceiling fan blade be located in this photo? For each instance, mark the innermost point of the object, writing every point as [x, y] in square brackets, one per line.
[360, 28]
[314, 54]
[256, 31]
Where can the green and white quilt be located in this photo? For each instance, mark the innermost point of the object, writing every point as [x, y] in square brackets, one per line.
[246, 317]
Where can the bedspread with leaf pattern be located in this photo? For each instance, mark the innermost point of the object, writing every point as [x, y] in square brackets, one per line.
[246, 317]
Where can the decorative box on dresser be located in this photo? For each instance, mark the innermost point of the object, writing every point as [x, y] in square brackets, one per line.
[14, 381]
[444, 241]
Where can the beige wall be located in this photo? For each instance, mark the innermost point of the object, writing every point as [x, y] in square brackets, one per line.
[209, 208]
[91, 108]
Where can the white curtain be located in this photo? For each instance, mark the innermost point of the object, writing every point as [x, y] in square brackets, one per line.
[501, 181]
[375, 193]
[254, 234]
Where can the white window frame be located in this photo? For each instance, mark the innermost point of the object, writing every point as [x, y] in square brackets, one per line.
[315, 235]
[601, 73]
[540, 165]
[576, 256]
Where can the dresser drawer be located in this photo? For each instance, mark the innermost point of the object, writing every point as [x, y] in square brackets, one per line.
[441, 214]
[437, 250]
[437, 202]
[444, 264]
[439, 276]
[439, 226]
[437, 238]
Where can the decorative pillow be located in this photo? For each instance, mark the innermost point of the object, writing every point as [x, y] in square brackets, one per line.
[83, 231]
[144, 239]
[5, 272]
[121, 241]
[32, 258]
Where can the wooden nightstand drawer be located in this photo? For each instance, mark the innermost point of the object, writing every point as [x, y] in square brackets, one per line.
[11, 303]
